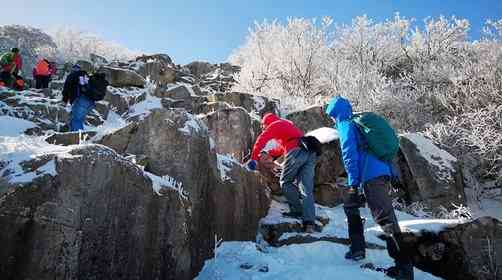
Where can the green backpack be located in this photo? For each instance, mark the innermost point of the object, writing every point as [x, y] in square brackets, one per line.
[381, 138]
[6, 59]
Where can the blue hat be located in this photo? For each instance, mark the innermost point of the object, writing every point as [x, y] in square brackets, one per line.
[75, 67]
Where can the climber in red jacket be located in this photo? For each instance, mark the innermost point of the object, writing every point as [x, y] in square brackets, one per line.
[298, 165]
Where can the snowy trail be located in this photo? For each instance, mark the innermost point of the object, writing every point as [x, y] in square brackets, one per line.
[318, 260]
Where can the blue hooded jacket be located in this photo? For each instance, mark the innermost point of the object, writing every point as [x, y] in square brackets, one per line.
[351, 141]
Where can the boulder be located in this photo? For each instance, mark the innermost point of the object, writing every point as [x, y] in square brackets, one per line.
[200, 68]
[211, 107]
[429, 174]
[120, 99]
[311, 118]
[176, 92]
[119, 77]
[252, 103]
[97, 218]
[462, 252]
[97, 59]
[232, 132]
[164, 59]
[246, 201]
[70, 138]
[158, 68]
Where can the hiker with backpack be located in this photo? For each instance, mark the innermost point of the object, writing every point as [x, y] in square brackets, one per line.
[42, 73]
[10, 62]
[300, 158]
[82, 92]
[368, 145]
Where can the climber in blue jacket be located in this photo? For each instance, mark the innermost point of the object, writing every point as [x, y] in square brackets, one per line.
[366, 172]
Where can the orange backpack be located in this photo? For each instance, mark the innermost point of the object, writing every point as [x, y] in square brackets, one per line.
[42, 68]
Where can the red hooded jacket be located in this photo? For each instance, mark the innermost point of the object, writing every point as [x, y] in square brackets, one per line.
[283, 131]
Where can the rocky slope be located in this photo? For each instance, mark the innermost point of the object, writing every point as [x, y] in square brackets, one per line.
[156, 181]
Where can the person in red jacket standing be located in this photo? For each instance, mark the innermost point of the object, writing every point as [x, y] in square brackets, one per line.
[299, 165]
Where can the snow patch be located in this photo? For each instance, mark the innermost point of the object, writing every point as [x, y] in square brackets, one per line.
[324, 134]
[112, 123]
[166, 181]
[16, 150]
[10, 126]
[192, 125]
[259, 103]
[225, 164]
[434, 155]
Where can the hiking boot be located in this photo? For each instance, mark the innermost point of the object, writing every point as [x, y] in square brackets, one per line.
[294, 215]
[309, 228]
[355, 256]
[403, 272]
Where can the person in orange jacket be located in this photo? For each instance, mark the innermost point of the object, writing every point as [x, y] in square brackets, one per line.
[42, 73]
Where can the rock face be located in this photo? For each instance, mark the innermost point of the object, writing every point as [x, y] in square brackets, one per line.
[97, 219]
[119, 77]
[189, 158]
[69, 138]
[232, 131]
[246, 200]
[120, 99]
[310, 118]
[463, 252]
[252, 103]
[158, 68]
[429, 174]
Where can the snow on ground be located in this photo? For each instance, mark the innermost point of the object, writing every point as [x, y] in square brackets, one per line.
[15, 150]
[112, 123]
[318, 260]
[487, 207]
[324, 134]
[259, 103]
[433, 154]
[141, 108]
[192, 125]
[11, 126]
[225, 163]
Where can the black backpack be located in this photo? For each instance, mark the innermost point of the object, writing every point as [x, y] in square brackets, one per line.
[96, 88]
[311, 144]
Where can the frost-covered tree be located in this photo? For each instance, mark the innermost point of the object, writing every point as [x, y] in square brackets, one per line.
[75, 44]
[428, 78]
[285, 60]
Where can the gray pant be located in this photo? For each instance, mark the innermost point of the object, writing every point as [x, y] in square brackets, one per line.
[380, 204]
[299, 165]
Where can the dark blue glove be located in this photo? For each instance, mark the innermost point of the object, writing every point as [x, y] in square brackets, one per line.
[252, 165]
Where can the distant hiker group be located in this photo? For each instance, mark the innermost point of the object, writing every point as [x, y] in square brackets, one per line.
[368, 145]
[81, 89]
[10, 63]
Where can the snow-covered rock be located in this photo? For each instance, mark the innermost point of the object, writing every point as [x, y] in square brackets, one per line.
[430, 174]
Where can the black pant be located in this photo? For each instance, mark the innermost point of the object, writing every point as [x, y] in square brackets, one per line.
[42, 81]
[380, 204]
[7, 78]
